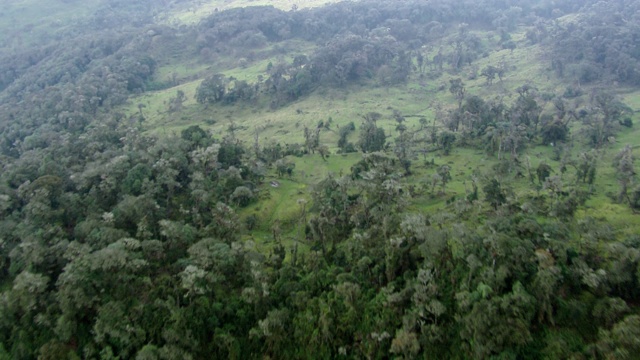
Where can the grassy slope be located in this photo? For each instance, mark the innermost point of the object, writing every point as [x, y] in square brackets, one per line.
[527, 64]
[26, 24]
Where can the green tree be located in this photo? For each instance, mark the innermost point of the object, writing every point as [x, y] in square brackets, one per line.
[372, 138]
[602, 123]
[457, 89]
[444, 173]
[135, 179]
[625, 172]
[285, 167]
[175, 103]
[492, 323]
[195, 137]
[242, 196]
[343, 143]
[447, 140]
[490, 73]
[543, 172]
[212, 89]
[495, 195]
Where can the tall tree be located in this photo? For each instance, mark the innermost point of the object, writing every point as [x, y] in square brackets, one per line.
[625, 172]
[372, 138]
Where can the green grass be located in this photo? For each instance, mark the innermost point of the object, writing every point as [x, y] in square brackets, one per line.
[28, 22]
[418, 98]
[180, 72]
[282, 206]
[619, 216]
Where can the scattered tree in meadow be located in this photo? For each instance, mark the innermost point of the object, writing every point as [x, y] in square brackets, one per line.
[494, 193]
[458, 90]
[444, 173]
[625, 172]
[372, 138]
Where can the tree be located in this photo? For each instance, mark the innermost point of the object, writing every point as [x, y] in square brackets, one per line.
[625, 172]
[372, 138]
[457, 89]
[554, 132]
[602, 122]
[115, 330]
[285, 167]
[403, 143]
[242, 196]
[621, 342]
[526, 111]
[587, 167]
[543, 172]
[175, 103]
[405, 343]
[324, 152]
[196, 137]
[312, 139]
[212, 89]
[494, 193]
[635, 198]
[343, 143]
[492, 322]
[444, 172]
[490, 73]
[447, 139]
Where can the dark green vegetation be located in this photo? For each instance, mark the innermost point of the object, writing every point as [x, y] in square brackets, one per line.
[377, 179]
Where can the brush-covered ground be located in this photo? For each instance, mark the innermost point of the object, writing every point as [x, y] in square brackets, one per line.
[527, 64]
[180, 180]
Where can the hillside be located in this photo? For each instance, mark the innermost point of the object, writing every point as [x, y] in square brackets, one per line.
[371, 179]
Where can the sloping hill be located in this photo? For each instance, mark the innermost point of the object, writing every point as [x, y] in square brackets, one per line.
[373, 179]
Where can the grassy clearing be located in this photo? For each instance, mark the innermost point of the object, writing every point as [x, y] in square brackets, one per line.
[155, 108]
[179, 72]
[188, 74]
[282, 204]
[619, 216]
[281, 207]
[418, 98]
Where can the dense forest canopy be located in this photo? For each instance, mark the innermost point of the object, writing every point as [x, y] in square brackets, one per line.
[371, 179]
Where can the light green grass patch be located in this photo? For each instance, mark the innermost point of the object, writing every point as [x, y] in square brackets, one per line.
[282, 206]
[179, 72]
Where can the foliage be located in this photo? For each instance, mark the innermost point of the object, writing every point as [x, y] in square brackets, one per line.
[372, 138]
[118, 242]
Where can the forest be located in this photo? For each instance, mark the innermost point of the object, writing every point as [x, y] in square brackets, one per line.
[366, 179]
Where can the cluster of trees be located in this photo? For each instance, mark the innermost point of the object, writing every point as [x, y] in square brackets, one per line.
[117, 244]
[601, 45]
[219, 89]
[377, 40]
[91, 222]
[62, 93]
[136, 254]
[448, 288]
